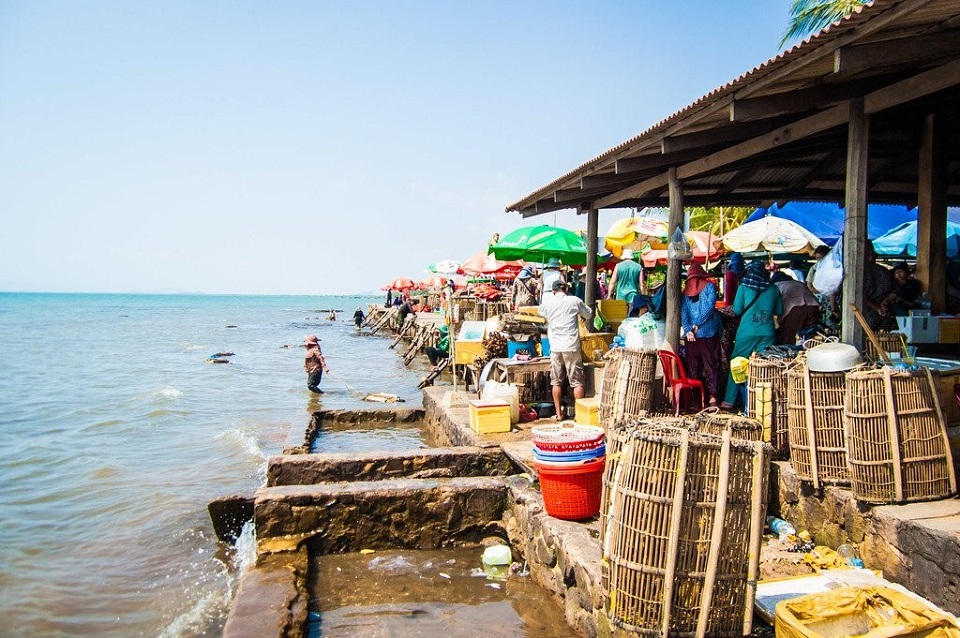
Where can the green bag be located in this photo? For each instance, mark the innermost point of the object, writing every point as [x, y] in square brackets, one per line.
[598, 321]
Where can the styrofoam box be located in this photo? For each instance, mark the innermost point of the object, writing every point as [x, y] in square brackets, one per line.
[920, 329]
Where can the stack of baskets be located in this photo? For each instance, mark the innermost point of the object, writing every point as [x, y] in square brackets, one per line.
[629, 379]
[767, 400]
[569, 461]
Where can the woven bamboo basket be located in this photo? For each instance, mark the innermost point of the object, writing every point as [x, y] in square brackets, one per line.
[614, 439]
[891, 342]
[681, 548]
[897, 443]
[713, 421]
[767, 401]
[815, 405]
[627, 386]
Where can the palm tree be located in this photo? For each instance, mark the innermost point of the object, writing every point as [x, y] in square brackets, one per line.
[718, 220]
[811, 16]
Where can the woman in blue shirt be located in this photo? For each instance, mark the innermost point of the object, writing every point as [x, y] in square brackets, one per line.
[701, 326]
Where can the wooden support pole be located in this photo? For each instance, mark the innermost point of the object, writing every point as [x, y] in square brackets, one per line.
[932, 216]
[673, 266]
[589, 297]
[855, 226]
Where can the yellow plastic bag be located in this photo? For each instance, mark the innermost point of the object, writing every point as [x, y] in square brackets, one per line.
[868, 612]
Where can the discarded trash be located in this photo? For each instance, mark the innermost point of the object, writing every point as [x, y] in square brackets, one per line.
[850, 554]
[366, 551]
[497, 555]
[393, 565]
[383, 397]
[780, 527]
[442, 575]
[493, 585]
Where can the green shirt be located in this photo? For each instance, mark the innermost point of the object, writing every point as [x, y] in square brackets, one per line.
[758, 321]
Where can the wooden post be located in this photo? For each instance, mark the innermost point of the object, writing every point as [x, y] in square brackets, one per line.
[932, 216]
[672, 282]
[855, 227]
[589, 298]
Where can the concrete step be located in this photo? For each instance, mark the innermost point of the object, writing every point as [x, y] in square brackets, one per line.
[397, 513]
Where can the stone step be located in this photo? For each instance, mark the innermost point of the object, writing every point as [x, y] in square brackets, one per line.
[394, 513]
[312, 469]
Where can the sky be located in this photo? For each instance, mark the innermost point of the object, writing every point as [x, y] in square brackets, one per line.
[322, 147]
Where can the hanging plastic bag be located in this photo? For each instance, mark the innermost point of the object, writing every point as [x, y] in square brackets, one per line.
[829, 273]
[679, 248]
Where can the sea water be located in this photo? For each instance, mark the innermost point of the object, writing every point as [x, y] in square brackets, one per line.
[115, 433]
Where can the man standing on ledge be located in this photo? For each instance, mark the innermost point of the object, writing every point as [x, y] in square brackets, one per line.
[562, 312]
[314, 363]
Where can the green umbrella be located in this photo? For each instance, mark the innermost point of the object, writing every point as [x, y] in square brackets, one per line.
[540, 243]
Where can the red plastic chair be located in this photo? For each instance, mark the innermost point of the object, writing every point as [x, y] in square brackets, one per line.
[678, 383]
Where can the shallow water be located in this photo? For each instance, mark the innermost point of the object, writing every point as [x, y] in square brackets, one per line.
[115, 434]
[427, 593]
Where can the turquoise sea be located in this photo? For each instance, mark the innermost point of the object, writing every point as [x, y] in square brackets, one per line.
[115, 434]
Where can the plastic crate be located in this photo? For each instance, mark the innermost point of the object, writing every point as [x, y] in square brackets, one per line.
[588, 411]
[489, 416]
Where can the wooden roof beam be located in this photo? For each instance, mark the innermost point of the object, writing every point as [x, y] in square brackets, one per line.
[578, 194]
[713, 137]
[877, 55]
[655, 162]
[799, 101]
[913, 88]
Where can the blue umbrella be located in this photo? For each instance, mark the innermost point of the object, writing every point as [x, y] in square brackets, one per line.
[902, 240]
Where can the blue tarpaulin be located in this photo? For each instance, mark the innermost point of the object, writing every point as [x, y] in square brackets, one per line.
[902, 241]
[825, 220]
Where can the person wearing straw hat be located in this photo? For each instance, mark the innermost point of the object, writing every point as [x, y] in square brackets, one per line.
[758, 304]
[625, 283]
[701, 325]
[314, 364]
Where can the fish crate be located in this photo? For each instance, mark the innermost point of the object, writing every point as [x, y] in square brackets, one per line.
[891, 342]
[683, 530]
[626, 391]
[588, 411]
[897, 443]
[815, 407]
[594, 345]
[489, 416]
[613, 311]
[713, 421]
[767, 401]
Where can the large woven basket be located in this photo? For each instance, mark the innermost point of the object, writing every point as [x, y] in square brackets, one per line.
[897, 443]
[627, 388]
[891, 342]
[713, 421]
[815, 404]
[683, 532]
[767, 400]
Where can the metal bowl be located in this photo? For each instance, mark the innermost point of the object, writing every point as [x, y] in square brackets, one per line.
[833, 357]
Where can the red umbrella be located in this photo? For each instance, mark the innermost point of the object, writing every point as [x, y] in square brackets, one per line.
[485, 264]
[435, 282]
[400, 284]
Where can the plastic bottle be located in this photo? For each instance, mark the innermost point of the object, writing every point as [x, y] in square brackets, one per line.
[780, 527]
[850, 555]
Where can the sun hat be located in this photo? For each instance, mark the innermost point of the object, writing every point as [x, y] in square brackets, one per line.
[310, 339]
[553, 262]
[442, 328]
[525, 273]
[626, 254]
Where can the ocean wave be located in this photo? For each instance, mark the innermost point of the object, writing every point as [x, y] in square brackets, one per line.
[246, 442]
[168, 393]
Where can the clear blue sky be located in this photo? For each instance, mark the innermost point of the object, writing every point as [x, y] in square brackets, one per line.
[322, 147]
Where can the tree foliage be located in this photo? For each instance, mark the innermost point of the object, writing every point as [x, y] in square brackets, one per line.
[811, 16]
[709, 219]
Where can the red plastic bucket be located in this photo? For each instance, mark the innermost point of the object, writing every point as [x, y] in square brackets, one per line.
[571, 493]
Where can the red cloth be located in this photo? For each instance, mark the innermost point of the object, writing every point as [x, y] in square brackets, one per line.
[697, 280]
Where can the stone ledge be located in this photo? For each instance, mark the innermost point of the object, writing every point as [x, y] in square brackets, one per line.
[916, 545]
[271, 599]
[311, 469]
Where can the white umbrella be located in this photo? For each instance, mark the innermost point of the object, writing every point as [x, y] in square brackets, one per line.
[773, 234]
[444, 267]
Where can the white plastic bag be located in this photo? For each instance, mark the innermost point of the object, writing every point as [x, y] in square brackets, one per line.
[679, 247]
[829, 273]
[643, 333]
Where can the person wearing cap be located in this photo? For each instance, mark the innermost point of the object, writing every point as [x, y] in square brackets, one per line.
[314, 363]
[526, 290]
[701, 325]
[442, 349]
[562, 312]
[625, 283]
[551, 273]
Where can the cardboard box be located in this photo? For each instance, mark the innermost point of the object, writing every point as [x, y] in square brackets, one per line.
[950, 330]
[920, 329]
[489, 416]
[588, 411]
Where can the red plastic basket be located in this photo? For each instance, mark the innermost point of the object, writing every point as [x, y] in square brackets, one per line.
[571, 493]
[557, 438]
